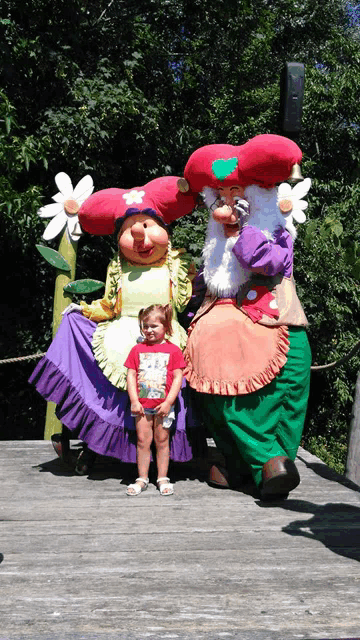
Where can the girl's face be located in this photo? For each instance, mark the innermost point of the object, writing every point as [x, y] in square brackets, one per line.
[142, 239]
[153, 329]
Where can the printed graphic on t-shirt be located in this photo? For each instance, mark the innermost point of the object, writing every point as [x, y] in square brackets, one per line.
[152, 374]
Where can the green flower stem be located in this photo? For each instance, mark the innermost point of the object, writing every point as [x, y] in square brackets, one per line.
[68, 250]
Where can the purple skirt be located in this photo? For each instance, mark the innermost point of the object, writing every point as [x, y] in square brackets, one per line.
[89, 405]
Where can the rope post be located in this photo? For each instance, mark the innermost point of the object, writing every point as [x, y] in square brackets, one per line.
[68, 250]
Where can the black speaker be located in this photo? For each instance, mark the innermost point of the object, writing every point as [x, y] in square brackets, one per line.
[291, 98]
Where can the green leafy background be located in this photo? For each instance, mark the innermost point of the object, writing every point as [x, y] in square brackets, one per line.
[126, 91]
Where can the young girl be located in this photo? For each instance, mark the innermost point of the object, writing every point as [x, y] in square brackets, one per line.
[154, 380]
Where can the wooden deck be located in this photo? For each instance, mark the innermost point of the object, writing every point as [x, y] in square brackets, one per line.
[81, 560]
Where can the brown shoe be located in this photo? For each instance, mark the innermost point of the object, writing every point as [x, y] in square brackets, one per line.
[61, 444]
[85, 462]
[279, 476]
[218, 477]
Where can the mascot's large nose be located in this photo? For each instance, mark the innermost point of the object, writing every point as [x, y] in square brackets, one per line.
[137, 231]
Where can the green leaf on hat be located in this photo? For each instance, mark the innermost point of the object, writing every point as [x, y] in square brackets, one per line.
[53, 257]
[84, 286]
[223, 168]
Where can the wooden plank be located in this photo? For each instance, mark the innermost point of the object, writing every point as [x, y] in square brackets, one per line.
[202, 564]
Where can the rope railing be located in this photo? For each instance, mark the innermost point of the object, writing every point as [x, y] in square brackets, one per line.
[337, 363]
[22, 358]
[319, 367]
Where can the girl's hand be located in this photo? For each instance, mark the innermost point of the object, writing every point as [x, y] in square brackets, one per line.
[163, 409]
[137, 409]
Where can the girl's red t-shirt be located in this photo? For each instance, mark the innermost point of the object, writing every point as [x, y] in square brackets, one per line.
[154, 366]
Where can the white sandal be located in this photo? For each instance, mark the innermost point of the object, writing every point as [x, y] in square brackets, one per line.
[136, 488]
[165, 487]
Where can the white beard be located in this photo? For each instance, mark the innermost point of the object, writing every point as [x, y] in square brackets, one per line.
[223, 273]
[264, 212]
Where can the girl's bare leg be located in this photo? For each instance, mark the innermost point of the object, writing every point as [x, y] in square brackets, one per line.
[161, 437]
[144, 433]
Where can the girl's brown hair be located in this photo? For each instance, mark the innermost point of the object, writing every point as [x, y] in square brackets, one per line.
[163, 312]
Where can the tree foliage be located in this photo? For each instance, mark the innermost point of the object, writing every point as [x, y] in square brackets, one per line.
[126, 91]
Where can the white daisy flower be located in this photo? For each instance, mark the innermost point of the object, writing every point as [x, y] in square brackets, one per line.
[67, 204]
[133, 197]
[290, 201]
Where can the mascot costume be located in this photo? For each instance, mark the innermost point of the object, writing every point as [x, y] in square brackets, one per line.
[248, 356]
[82, 371]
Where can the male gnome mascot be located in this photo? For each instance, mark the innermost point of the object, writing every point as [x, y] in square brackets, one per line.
[248, 355]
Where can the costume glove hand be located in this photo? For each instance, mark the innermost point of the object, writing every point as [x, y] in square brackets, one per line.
[72, 307]
[243, 210]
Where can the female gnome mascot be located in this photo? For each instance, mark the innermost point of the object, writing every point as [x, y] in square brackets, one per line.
[248, 355]
[83, 370]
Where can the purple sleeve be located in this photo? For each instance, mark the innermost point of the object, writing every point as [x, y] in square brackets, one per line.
[260, 255]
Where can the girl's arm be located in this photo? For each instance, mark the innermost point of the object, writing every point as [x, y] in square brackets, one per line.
[164, 408]
[136, 406]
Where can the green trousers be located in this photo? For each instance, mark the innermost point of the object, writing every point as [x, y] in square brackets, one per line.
[251, 429]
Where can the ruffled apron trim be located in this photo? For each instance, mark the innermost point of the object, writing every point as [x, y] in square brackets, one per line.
[242, 386]
[115, 372]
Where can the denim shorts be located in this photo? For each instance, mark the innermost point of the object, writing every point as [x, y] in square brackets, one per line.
[167, 421]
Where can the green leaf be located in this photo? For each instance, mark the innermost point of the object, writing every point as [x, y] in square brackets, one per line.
[53, 257]
[350, 255]
[336, 241]
[337, 229]
[355, 271]
[84, 286]
[310, 231]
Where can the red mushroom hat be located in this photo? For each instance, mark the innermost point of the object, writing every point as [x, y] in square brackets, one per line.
[104, 211]
[264, 160]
